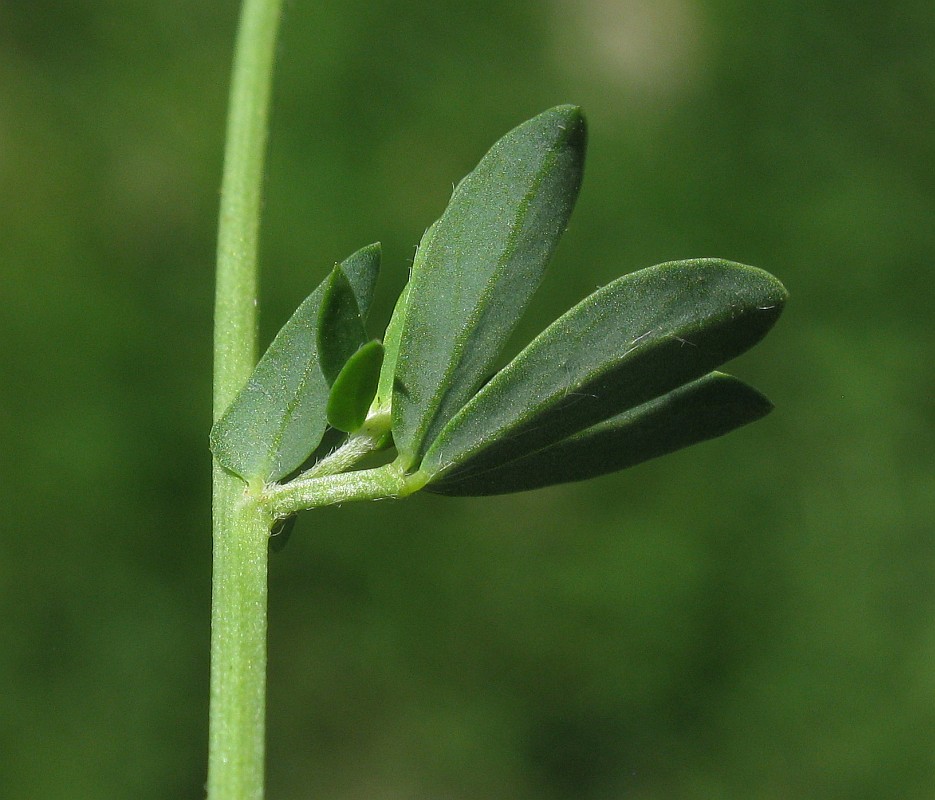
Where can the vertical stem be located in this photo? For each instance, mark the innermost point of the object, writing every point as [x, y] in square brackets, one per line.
[238, 603]
[238, 648]
[239, 223]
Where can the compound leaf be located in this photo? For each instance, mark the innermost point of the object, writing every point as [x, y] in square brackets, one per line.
[483, 261]
[635, 339]
[704, 409]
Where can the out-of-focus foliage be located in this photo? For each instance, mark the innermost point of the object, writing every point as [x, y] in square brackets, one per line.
[750, 618]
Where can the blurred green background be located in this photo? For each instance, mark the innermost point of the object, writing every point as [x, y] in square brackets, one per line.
[751, 618]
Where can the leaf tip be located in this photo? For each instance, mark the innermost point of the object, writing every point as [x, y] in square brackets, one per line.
[570, 120]
[374, 250]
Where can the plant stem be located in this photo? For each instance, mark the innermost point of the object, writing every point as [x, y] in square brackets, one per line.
[362, 443]
[380, 483]
[241, 526]
[238, 651]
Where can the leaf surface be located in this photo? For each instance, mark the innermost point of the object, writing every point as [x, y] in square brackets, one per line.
[483, 261]
[341, 328]
[354, 388]
[384, 397]
[635, 339]
[394, 330]
[362, 270]
[704, 409]
[277, 420]
[342, 321]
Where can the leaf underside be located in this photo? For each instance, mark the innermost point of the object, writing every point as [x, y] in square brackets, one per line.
[634, 340]
[482, 262]
[704, 409]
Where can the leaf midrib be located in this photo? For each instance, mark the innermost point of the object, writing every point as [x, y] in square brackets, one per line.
[474, 319]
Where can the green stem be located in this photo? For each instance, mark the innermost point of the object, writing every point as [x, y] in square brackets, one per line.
[241, 526]
[388, 481]
[361, 444]
[238, 649]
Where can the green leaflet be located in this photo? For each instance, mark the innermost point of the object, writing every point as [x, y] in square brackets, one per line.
[341, 329]
[394, 330]
[635, 339]
[704, 409]
[362, 269]
[483, 261]
[279, 417]
[346, 302]
[354, 388]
